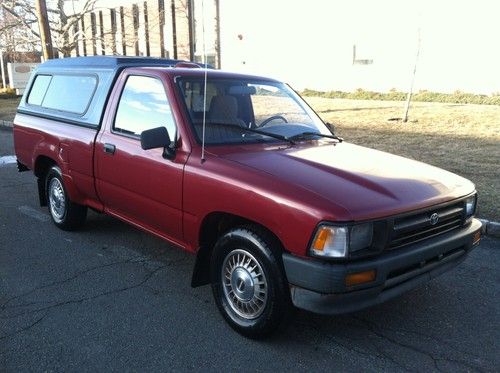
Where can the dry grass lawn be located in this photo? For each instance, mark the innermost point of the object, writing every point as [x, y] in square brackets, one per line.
[464, 139]
[8, 108]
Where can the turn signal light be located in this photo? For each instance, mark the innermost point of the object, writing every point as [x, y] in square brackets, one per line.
[476, 238]
[360, 277]
[322, 236]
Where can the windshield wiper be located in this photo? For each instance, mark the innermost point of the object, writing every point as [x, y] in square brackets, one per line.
[306, 135]
[252, 130]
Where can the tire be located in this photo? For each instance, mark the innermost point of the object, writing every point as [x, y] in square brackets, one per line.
[65, 214]
[248, 282]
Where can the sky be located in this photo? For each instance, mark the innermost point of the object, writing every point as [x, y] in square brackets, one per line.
[459, 48]
[309, 44]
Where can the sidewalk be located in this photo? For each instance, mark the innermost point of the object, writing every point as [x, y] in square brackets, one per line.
[5, 123]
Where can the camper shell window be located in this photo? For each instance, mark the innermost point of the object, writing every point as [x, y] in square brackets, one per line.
[66, 93]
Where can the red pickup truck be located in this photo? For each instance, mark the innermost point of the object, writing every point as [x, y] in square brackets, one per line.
[241, 172]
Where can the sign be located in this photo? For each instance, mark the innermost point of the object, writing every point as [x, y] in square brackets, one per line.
[19, 75]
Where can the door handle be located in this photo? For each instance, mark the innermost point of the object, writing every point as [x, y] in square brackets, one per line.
[109, 148]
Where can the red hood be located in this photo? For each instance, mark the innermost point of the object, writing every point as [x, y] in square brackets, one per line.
[365, 182]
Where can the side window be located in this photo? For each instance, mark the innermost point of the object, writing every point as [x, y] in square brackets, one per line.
[143, 105]
[38, 89]
[68, 93]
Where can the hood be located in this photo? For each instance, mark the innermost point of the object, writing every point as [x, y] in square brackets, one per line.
[367, 183]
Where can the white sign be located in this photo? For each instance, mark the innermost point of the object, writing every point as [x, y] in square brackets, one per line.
[19, 75]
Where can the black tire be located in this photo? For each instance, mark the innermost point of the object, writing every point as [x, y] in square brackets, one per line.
[254, 298]
[65, 214]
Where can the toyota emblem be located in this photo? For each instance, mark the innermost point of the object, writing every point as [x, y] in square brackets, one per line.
[434, 218]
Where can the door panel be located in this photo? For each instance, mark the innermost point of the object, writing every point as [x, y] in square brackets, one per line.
[140, 185]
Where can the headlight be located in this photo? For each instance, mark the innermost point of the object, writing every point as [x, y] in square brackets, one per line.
[470, 206]
[338, 241]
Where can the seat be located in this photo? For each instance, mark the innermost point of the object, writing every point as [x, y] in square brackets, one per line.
[224, 109]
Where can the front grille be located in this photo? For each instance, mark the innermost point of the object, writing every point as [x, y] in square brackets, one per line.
[419, 226]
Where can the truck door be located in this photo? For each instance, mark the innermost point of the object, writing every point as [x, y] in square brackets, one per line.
[136, 185]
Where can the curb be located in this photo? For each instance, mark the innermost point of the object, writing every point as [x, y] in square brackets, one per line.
[490, 228]
[5, 123]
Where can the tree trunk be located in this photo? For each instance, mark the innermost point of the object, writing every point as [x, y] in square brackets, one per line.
[43, 22]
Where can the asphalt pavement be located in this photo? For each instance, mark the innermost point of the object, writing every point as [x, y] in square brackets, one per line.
[113, 298]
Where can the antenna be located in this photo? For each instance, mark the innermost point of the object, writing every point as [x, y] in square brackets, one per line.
[204, 83]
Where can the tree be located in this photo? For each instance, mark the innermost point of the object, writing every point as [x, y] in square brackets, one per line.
[14, 34]
[22, 14]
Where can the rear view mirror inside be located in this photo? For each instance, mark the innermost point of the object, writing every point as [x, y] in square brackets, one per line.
[242, 90]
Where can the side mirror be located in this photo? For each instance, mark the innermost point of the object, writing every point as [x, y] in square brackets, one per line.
[157, 138]
[331, 127]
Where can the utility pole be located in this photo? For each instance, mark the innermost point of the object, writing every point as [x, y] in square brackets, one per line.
[217, 33]
[1, 55]
[43, 23]
[191, 29]
[410, 93]
[174, 28]
[4, 84]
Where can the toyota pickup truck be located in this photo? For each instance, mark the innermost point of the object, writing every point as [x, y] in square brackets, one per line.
[238, 170]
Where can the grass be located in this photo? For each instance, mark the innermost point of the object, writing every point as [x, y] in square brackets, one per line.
[456, 97]
[8, 108]
[464, 139]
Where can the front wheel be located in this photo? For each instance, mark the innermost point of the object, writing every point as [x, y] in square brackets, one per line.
[65, 214]
[249, 287]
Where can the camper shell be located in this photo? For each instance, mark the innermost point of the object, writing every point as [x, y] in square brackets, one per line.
[99, 72]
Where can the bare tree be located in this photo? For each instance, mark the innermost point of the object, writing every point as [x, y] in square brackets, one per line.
[89, 29]
[14, 34]
[62, 24]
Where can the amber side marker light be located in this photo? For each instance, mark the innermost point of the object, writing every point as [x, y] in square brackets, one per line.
[476, 238]
[360, 277]
[320, 242]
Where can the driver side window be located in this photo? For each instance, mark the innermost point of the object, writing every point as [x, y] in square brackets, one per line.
[143, 105]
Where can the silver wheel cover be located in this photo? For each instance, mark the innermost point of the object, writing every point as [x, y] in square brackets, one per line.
[244, 284]
[57, 200]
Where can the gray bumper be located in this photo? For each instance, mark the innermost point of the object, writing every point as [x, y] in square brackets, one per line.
[319, 286]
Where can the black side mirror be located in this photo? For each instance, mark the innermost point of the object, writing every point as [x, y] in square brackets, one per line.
[157, 138]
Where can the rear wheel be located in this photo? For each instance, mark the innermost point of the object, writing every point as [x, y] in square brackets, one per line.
[65, 214]
[248, 283]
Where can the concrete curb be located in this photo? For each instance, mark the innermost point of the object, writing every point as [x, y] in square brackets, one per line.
[5, 123]
[489, 228]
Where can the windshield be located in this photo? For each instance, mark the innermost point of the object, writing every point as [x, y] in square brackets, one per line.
[242, 111]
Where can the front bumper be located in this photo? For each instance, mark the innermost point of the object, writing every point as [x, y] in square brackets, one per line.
[319, 286]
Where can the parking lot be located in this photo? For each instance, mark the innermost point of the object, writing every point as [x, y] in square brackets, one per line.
[111, 297]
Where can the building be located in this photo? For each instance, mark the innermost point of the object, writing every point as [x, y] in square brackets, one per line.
[345, 45]
[318, 44]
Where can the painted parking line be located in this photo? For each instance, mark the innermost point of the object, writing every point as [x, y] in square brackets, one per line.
[7, 159]
[33, 213]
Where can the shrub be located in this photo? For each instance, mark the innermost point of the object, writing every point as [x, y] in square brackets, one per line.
[457, 97]
[7, 92]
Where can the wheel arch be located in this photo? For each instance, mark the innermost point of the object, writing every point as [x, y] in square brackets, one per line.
[41, 167]
[212, 227]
